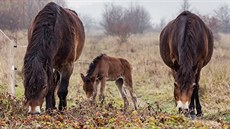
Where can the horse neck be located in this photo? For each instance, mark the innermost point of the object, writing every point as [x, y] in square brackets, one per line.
[43, 40]
[39, 56]
[92, 72]
[94, 67]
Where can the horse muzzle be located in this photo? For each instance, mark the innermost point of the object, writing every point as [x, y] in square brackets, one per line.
[34, 110]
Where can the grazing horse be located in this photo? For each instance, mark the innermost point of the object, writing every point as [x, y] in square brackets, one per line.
[55, 41]
[105, 68]
[186, 46]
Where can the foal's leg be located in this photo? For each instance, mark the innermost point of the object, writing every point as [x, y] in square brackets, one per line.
[102, 89]
[95, 91]
[92, 99]
[119, 84]
[66, 72]
[50, 98]
[129, 85]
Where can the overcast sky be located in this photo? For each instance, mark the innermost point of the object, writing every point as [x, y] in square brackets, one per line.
[158, 9]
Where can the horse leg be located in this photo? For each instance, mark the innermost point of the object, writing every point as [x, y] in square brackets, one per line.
[95, 92]
[102, 89]
[56, 78]
[198, 105]
[66, 72]
[196, 89]
[129, 84]
[191, 105]
[119, 84]
[50, 99]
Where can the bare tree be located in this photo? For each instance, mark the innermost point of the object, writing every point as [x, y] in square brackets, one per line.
[138, 17]
[18, 14]
[113, 21]
[122, 22]
[185, 6]
[88, 22]
[213, 23]
[223, 15]
[162, 23]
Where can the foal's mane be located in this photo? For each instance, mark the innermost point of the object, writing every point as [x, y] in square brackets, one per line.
[93, 65]
[37, 61]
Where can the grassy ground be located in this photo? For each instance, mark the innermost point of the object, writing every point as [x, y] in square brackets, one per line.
[153, 85]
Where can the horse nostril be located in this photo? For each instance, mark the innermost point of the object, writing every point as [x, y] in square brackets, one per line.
[186, 110]
[180, 110]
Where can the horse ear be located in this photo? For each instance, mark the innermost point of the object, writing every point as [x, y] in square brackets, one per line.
[82, 76]
[176, 66]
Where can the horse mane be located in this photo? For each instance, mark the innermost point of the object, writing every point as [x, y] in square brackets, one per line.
[37, 68]
[93, 65]
[186, 46]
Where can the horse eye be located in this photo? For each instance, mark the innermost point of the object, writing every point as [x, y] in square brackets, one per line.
[175, 84]
[44, 86]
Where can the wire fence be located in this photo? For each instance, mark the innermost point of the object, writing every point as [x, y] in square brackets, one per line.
[7, 67]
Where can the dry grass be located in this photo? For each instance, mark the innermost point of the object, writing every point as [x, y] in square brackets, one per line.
[153, 82]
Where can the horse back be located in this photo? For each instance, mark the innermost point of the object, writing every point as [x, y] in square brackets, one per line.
[113, 68]
[187, 34]
[71, 39]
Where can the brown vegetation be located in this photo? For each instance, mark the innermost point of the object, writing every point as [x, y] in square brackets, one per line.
[152, 83]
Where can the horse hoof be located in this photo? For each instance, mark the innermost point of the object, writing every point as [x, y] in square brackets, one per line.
[193, 117]
[101, 102]
[186, 114]
[200, 115]
[192, 114]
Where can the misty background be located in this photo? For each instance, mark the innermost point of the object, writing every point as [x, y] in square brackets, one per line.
[18, 14]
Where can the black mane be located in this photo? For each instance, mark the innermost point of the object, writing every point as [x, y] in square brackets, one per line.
[187, 48]
[40, 51]
[93, 65]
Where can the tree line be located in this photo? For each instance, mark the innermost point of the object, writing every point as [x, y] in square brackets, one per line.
[122, 22]
[116, 20]
[18, 14]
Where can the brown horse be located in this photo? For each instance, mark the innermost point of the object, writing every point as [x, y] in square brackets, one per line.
[105, 68]
[186, 46]
[56, 39]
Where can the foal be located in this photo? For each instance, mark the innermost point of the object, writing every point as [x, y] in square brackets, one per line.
[105, 68]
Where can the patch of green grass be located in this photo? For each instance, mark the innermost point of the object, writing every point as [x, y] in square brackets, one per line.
[3, 88]
[19, 92]
[227, 117]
